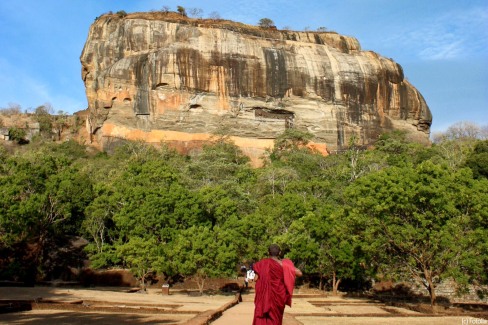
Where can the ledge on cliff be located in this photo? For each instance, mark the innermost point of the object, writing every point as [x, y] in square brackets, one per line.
[343, 43]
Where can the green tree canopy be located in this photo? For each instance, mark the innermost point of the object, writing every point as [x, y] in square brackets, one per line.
[478, 160]
[181, 10]
[42, 201]
[202, 252]
[418, 220]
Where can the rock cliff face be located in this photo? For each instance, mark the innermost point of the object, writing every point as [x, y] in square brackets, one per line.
[156, 76]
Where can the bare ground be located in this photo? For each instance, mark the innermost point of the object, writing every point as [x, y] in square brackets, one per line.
[111, 305]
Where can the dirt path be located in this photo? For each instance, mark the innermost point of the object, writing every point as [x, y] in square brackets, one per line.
[320, 309]
[242, 314]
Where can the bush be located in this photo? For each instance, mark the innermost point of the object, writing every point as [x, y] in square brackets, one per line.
[181, 10]
[16, 134]
[265, 23]
[45, 119]
[121, 13]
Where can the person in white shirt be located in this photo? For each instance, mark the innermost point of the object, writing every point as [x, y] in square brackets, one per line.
[249, 276]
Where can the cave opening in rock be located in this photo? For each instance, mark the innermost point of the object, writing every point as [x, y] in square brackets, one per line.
[161, 85]
[275, 114]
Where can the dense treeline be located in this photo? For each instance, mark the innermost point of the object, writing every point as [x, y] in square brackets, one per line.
[396, 211]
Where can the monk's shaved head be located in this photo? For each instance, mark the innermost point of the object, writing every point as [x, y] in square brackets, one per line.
[274, 250]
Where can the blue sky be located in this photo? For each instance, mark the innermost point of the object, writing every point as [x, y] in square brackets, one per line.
[442, 45]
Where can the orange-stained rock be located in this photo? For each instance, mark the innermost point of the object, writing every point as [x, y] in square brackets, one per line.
[185, 142]
[157, 76]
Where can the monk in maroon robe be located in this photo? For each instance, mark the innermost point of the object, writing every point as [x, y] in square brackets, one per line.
[274, 287]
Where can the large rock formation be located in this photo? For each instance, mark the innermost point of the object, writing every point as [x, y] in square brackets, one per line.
[161, 76]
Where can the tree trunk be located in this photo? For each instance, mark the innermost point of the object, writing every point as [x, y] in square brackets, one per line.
[432, 293]
[430, 287]
[335, 284]
[143, 284]
[201, 284]
[143, 280]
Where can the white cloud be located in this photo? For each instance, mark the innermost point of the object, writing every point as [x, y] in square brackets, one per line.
[456, 34]
[442, 49]
[18, 87]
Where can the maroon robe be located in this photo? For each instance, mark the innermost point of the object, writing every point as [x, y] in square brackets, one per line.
[274, 289]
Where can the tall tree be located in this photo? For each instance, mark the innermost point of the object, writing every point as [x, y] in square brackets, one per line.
[321, 244]
[140, 254]
[201, 252]
[42, 202]
[418, 220]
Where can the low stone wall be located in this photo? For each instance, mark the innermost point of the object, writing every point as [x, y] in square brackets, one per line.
[448, 289]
